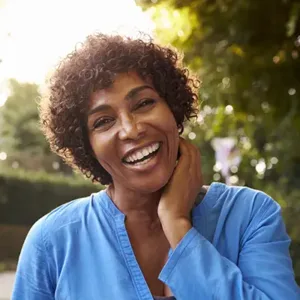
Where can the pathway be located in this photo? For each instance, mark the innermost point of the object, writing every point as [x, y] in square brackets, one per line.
[6, 285]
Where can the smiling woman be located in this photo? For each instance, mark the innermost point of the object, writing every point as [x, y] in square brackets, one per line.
[89, 73]
[115, 110]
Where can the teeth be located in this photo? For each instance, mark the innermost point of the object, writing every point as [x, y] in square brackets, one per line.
[156, 146]
[146, 152]
[142, 153]
[142, 162]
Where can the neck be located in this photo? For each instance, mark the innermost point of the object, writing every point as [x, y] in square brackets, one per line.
[138, 207]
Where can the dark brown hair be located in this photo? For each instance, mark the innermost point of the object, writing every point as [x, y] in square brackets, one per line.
[93, 66]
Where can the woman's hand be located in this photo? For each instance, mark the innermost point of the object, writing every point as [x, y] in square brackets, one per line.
[179, 194]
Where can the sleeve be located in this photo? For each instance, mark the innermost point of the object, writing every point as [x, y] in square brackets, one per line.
[33, 280]
[196, 270]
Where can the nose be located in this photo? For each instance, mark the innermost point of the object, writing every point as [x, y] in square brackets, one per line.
[130, 128]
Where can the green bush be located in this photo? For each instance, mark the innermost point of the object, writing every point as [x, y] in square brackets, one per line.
[12, 238]
[27, 196]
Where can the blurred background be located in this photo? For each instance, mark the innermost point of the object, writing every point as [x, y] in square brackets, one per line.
[246, 53]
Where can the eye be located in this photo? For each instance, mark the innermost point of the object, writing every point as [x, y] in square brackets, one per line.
[145, 103]
[99, 123]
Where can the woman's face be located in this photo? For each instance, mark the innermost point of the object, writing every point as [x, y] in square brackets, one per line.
[133, 134]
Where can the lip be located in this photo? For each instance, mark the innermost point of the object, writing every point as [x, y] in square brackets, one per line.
[134, 149]
[154, 161]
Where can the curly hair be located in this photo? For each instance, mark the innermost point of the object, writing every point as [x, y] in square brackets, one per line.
[93, 66]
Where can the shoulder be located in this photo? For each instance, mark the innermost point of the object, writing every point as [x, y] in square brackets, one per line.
[238, 212]
[240, 203]
[241, 196]
[66, 216]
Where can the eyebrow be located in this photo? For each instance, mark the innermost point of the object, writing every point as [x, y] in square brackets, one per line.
[130, 95]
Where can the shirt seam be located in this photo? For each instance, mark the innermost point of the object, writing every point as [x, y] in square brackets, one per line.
[267, 200]
[214, 192]
[46, 251]
[263, 212]
[216, 293]
[103, 206]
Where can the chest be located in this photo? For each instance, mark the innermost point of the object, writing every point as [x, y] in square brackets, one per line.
[151, 253]
[106, 263]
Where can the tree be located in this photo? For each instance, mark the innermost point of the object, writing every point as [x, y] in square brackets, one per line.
[20, 134]
[20, 119]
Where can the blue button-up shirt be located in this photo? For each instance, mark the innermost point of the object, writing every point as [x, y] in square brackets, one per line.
[238, 248]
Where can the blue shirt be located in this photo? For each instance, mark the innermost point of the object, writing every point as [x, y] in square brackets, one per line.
[238, 248]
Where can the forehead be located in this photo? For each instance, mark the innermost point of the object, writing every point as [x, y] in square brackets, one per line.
[122, 84]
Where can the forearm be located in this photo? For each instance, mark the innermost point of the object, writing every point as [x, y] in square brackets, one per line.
[197, 270]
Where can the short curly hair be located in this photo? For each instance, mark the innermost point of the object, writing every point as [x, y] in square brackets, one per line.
[93, 66]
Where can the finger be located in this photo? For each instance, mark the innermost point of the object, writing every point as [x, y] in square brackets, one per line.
[183, 148]
[185, 156]
[199, 168]
[191, 149]
[191, 168]
[195, 160]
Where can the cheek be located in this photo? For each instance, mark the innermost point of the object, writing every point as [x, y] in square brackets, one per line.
[171, 129]
[102, 149]
[166, 117]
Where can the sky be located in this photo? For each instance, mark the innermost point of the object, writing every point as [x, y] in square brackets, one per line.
[35, 34]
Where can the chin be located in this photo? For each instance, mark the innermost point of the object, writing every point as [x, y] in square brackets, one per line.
[151, 185]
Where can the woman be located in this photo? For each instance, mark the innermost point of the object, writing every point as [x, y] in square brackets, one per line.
[115, 111]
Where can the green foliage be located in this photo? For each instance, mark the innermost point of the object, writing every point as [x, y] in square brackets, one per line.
[12, 238]
[20, 134]
[20, 119]
[26, 196]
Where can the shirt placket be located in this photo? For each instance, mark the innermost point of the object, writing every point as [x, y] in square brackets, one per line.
[137, 276]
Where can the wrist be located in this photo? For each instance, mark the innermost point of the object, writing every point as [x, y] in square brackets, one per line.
[166, 215]
[174, 220]
[175, 229]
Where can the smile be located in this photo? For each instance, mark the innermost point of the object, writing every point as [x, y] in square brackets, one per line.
[143, 155]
